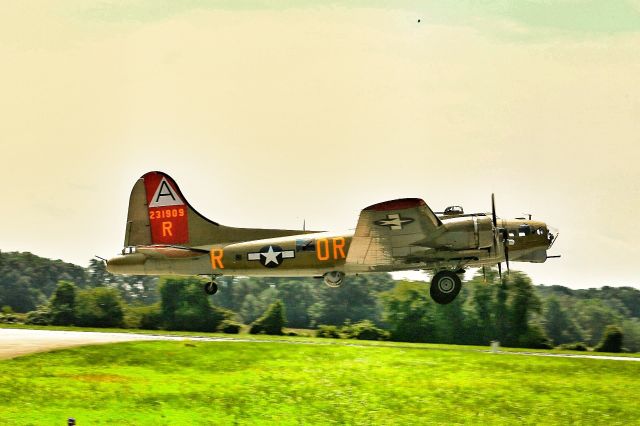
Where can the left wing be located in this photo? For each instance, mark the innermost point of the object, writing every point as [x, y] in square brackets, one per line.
[386, 232]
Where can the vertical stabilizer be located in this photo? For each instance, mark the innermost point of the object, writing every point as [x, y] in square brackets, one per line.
[160, 214]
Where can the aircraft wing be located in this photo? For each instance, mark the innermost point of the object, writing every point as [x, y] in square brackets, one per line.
[387, 231]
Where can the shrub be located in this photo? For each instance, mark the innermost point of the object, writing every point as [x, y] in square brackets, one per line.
[271, 322]
[99, 307]
[9, 319]
[256, 328]
[365, 330]
[63, 304]
[185, 307]
[230, 327]
[611, 341]
[41, 316]
[133, 315]
[578, 346]
[328, 331]
[535, 338]
[150, 317]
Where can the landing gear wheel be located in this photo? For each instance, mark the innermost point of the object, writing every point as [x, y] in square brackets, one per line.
[211, 287]
[445, 286]
[333, 279]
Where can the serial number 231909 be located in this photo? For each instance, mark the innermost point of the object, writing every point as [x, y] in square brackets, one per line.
[166, 213]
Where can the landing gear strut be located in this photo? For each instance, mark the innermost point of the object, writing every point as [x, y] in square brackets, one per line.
[445, 286]
[211, 287]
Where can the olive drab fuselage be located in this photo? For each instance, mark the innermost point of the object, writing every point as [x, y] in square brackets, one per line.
[164, 235]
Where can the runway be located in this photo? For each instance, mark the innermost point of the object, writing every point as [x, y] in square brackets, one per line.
[16, 342]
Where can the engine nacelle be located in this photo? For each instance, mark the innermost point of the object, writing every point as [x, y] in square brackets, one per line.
[466, 233]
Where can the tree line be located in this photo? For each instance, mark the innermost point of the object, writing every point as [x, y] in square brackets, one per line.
[514, 312]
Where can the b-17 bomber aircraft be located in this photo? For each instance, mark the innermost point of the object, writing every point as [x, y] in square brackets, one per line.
[166, 236]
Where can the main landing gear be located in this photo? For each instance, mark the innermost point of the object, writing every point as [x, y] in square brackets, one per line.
[211, 287]
[333, 279]
[445, 286]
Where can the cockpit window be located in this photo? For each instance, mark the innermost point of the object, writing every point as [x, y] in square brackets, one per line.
[540, 231]
[524, 230]
[129, 250]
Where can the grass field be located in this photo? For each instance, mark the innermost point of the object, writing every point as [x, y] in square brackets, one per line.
[278, 383]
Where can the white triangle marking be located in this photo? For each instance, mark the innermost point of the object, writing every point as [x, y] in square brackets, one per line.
[165, 196]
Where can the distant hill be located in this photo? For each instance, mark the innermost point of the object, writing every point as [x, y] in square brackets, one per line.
[27, 280]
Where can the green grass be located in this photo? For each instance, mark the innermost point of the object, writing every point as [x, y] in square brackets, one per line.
[305, 337]
[174, 383]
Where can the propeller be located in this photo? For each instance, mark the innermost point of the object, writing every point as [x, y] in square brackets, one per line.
[505, 241]
[503, 233]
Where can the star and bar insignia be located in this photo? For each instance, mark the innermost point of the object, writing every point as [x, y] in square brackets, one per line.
[271, 256]
[394, 221]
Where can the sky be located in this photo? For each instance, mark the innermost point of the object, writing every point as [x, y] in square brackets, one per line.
[271, 113]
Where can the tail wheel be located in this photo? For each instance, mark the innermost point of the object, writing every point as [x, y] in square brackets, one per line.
[211, 287]
[445, 286]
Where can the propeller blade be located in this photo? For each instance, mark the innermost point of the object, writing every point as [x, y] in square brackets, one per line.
[505, 245]
[484, 273]
[493, 210]
[503, 233]
[506, 257]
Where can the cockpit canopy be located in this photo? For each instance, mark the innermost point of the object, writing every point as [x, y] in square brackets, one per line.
[453, 211]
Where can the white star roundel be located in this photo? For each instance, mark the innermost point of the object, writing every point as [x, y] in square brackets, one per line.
[271, 256]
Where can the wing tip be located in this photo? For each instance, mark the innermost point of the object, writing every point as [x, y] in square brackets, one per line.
[399, 204]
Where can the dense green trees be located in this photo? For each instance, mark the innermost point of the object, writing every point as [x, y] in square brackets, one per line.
[514, 311]
[408, 312]
[62, 306]
[94, 307]
[272, 321]
[307, 301]
[507, 312]
[560, 326]
[99, 307]
[27, 280]
[184, 306]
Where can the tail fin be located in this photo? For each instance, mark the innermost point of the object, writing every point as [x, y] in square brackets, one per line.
[159, 214]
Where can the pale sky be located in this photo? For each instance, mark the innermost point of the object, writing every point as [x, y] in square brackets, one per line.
[268, 115]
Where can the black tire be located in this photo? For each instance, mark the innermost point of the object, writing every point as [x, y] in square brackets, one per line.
[333, 279]
[445, 287]
[211, 288]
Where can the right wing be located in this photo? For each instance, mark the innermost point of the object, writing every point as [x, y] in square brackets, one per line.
[386, 232]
